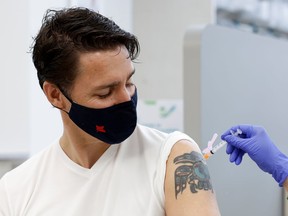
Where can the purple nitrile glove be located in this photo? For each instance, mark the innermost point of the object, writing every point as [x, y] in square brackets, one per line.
[256, 143]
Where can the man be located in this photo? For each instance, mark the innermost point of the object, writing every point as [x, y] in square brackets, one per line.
[104, 163]
[256, 142]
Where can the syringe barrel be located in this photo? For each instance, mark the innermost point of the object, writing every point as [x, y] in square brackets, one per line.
[218, 146]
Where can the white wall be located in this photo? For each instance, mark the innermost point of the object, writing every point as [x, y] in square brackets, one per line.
[14, 88]
[160, 26]
[119, 11]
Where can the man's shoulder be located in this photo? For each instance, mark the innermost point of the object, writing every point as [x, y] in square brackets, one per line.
[152, 138]
[156, 134]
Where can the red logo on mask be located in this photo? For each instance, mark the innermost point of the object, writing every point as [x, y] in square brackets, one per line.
[100, 129]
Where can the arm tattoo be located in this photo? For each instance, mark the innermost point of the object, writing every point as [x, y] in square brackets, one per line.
[192, 171]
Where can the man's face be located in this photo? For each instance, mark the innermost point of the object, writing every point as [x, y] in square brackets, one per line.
[104, 78]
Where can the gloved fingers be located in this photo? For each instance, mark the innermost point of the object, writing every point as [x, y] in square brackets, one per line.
[247, 131]
[229, 148]
[239, 157]
[234, 155]
[235, 141]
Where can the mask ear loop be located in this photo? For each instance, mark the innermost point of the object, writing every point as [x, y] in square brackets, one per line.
[60, 109]
[65, 95]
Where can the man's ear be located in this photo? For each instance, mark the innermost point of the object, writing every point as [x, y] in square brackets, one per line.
[55, 96]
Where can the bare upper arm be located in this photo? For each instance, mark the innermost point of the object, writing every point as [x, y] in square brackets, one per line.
[188, 187]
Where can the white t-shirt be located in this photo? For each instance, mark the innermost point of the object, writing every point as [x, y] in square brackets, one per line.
[127, 180]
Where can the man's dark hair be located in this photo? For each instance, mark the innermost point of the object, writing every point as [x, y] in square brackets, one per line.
[69, 32]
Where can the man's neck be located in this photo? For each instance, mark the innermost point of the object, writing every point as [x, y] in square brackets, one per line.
[84, 152]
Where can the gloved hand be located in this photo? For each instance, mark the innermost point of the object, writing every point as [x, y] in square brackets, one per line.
[255, 141]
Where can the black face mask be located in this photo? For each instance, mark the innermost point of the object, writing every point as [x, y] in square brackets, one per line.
[111, 125]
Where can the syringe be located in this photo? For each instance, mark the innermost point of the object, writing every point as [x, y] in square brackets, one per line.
[220, 145]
